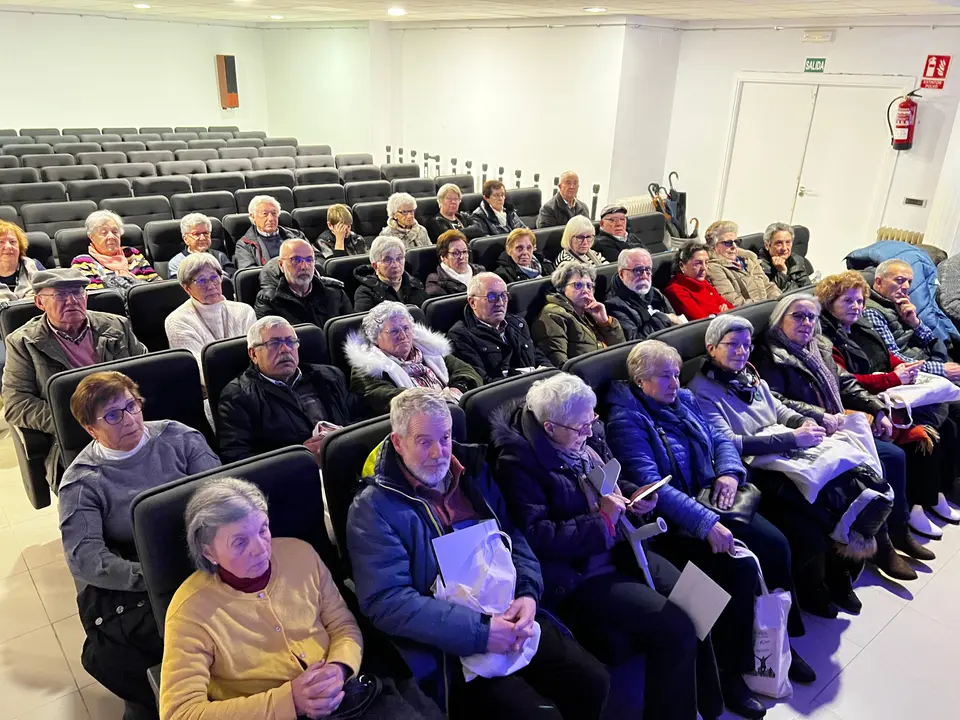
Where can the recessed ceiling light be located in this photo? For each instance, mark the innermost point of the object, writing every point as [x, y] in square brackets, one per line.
[142, 6]
[595, 9]
[276, 17]
[396, 11]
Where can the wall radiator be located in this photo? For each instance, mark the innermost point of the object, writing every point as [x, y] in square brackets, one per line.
[637, 204]
[907, 236]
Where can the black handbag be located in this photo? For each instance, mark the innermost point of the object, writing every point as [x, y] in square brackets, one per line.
[745, 502]
[359, 693]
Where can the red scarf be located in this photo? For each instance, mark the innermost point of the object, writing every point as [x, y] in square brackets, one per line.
[245, 585]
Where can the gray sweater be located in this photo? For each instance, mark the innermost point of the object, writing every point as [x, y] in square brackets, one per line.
[740, 421]
[96, 496]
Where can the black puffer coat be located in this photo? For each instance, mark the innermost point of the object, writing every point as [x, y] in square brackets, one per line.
[373, 290]
[493, 357]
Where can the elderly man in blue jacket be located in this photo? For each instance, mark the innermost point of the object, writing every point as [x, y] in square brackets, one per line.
[424, 485]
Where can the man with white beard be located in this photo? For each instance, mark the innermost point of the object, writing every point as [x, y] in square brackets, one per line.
[421, 485]
[632, 299]
[613, 237]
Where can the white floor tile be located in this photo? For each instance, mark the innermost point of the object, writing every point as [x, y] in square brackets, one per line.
[33, 673]
[21, 610]
[11, 558]
[101, 703]
[39, 540]
[56, 588]
[71, 636]
[16, 506]
[69, 707]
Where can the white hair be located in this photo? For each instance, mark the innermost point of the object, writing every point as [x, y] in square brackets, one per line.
[624, 256]
[193, 264]
[192, 220]
[399, 200]
[267, 322]
[559, 397]
[576, 225]
[383, 243]
[258, 200]
[884, 267]
[561, 276]
[720, 227]
[773, 229]
[476, 282]
[448, 188]
[99, 218]
[648, 357]
[218, 502]
[380, 315]
[416, 401]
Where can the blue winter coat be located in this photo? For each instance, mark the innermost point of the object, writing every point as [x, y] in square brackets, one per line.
[634, 438]
[923, 289]
[389, 533]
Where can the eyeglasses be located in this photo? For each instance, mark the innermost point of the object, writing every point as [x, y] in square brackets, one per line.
[580, 285]
[406, 212]
[801, 316]
[457, 254]
[64, 294]
[208, 281]
[640, 271]
[494, 298]
[747, 347]
[115, 416]
[582, 430]
[584, 237]
[398, 332]
[728, 243]
[275, 344]
[301, 259]
[199, 235]
[390, 260]
[498, 195]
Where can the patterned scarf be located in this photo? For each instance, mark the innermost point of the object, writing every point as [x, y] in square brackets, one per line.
[115, 263]
[421, 375]
[827, 386]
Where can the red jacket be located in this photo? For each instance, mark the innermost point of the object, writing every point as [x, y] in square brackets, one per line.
[873, 382]
[697, 299]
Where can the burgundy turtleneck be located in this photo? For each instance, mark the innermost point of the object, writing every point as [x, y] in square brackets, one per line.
[245, 585]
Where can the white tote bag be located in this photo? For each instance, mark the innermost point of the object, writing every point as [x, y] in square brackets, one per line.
[771, 646]
[928, 389]
[486, 582]
[812, 468]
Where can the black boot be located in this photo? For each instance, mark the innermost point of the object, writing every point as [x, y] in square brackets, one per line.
[904, 541]
[800, 670]
[889, 561]
[739, 698]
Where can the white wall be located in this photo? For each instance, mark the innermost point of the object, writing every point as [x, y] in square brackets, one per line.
[70, 71]
[705, 84]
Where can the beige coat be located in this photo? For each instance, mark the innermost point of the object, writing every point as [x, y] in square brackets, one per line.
[740, 287]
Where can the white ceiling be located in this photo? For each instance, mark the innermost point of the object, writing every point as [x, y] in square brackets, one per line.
[301, 11]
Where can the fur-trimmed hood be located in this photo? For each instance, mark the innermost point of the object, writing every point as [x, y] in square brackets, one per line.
[370, 361]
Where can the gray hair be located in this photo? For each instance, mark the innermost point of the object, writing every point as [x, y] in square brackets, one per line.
[561, 276]
[267, 322]
[648, 356]
[380, 315]
[717, 229]
[884, 267]
[558, 398]
[99, 218]
[258, 200]
[725, 323]
[788, 301]
[448, 188]
[476, 282]
[624, 256]
[576, 225]
[399, 200]
[192, 220]
[416, 401]
[216, 503]
[383, 243]
[773, 229]
[193, 264]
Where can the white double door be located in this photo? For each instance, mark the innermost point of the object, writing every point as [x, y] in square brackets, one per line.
[811, 154]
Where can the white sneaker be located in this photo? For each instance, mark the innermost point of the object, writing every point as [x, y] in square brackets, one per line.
[943, 510]
[921, 524]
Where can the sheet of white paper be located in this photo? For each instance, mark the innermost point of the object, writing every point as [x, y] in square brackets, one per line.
[604, 479]
[650, 489]
[700, 597]
[456, 548]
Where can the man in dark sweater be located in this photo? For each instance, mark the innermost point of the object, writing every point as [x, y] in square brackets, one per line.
[262, 241]
[613, 237]
[301, 295]
[496, 343]
[564, 205]
[632, 299]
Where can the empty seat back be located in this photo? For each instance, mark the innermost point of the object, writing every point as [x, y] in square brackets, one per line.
[248, 143]
[273, 163]
[149, 305]
[9, 161]
[76, 148]
[207, 182]
[100, 138]
[317, 176]
[55, 139]
[347, 159]
[422, 261]
[40, 248]
[466, 183]
[38, 192]
[212, 204]
[180, 136]
[10, 215]
[124, 146]
[397, 171]
[101, 158]
[51, 217]
[278, 151]
[369, 218]
[528, 297]
[70, 172]
[650, 228]
[269, 178]
[230, 165]
[224, 136]
[316, 195]
[190, 129]
[79, 131]
[250, 134]
[163, 240]
[18, 176]
[141, 137]
[234, 153]
[168, 186]
[359, 173]
[150, 156]
[156, 130]
[229, 129]
[139, 210]
[311, 220]
[487, 250]
[418, 187]
[481, 404]
[121, 131]
[282, 195]
[527, 202]
[548, 241]
[181, 167]
[247, 285]
[201, 144]
[98, 190]
[34, 149]
[51, 160]
[364, 192]
[201, 155]
[427, 208]
[171, 145]
[441, 313]
[128, 170]
[315, 150]
[33, 132]
[315, 161]
[280, 142]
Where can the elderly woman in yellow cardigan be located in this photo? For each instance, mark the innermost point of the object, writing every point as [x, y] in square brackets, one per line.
[260, 630]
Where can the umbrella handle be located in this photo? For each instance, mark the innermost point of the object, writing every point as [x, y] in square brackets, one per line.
[670, 178]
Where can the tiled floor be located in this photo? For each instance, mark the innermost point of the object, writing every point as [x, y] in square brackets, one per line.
[895, 661]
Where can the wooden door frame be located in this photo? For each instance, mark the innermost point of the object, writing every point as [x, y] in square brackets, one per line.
[900, 84]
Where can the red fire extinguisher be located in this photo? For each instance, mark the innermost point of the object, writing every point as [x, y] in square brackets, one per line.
[901, 131]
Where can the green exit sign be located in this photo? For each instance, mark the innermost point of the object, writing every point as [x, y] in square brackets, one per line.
[814, 65]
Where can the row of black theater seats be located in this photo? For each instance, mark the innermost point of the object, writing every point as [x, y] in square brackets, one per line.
[287, 476]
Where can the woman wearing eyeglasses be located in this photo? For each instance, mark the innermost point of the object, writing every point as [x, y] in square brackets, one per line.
[574, 322]
[402, 221]
[126, 457]
[107, 264]
[577, 243]
[195, 229]
[455, 270]
[392, 353]
[494, 215]
[734, 272]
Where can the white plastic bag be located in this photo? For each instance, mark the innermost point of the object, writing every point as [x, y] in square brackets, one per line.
[771, 646]
[486, 583]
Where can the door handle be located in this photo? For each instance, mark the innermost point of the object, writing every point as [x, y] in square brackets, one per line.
[803, 192]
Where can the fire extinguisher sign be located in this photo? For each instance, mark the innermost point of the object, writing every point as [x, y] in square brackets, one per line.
[935, 72]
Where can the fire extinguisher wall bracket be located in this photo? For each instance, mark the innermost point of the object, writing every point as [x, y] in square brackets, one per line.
[903, 127]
